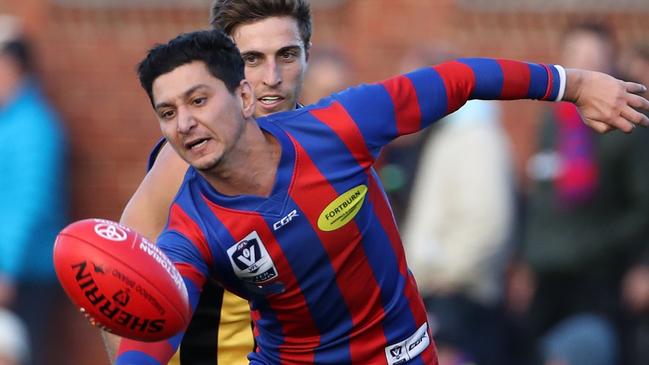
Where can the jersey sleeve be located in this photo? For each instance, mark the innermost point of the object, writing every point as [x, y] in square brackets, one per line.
[408, 103]
[194, 270]
[155, 151]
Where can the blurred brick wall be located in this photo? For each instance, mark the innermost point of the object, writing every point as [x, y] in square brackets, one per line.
[88, 55]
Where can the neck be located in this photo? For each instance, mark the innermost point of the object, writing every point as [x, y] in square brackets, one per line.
[251, 167]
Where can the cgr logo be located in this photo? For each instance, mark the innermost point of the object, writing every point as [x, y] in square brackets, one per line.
[409, 348]
[286, 220]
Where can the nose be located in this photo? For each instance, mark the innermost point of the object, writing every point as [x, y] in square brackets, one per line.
[186, 121]
[272, 75]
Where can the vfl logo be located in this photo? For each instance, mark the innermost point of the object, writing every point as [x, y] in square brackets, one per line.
[110, 232]
[284, 221]
[343, 209]
[396, 351]
[251, 261]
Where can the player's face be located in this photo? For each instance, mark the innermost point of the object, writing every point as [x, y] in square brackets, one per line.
[587, 50]
[201, 119]
[275, 60]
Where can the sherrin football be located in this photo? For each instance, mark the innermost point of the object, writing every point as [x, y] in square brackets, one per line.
[120, 281]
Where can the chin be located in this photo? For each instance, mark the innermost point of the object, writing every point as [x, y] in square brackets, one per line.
[207, 166]
[281, 107]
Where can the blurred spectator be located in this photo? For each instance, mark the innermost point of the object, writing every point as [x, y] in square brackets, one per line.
[635, 290]
[457, 231]
[399, 160]
[586, 218]
[329, 71]
[14, 342]
[33, 185]
[635, 64]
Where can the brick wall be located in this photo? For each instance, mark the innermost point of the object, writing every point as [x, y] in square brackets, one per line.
[88, 55]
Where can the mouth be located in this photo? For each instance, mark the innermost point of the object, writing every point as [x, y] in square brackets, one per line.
[270, 100]
[196, 143]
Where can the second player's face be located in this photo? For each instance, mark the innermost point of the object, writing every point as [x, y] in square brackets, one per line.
[199, 117]
[275, 60]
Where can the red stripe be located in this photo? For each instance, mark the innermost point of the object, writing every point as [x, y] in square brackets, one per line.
[382, 211]
[161, 351]
[429, 356]
[516, 79]
[459, 82]
[548, 90]
[290, 307]
[406, 104]
[182, 222]
[190, 273]
[255, 316]
[354, 276]
[336, 117]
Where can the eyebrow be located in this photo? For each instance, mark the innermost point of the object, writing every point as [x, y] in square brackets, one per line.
[259, 53]
[185, 95]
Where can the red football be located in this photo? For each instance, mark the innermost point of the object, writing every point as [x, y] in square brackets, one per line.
[122, 282]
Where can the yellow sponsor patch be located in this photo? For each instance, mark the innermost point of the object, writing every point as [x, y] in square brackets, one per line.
[343, 209]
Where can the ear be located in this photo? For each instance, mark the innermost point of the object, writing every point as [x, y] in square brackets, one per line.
[307, 52]
[247, 97]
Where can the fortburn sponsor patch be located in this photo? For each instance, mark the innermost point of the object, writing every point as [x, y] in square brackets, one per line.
[343, 209]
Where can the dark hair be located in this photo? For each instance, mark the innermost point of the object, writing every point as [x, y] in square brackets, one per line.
[212, 47]
[20, 51]
[228, 14]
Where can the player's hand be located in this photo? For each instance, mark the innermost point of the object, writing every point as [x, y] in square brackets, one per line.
[606, 103]
[635, 289]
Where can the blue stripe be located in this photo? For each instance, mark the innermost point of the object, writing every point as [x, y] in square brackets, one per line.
[399, 322]
[179, 249]
[343, 172]
[418, 360]
[371, 107]
[431, 95]
[318, 140]
[271, 334]
[193, 292]
[489, 78]
[538, 81]
[312, 269]
[556, 82]
[174, 341]
[135, 358]
[219, 240]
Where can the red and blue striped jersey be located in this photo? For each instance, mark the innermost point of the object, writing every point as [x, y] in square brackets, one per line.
[320, 260]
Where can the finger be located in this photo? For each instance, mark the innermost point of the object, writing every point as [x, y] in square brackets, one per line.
[600, 127]
[635, 116]
[635, 88]
[623, 124]
[637, 101]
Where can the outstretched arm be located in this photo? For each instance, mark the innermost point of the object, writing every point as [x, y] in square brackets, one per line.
[182, 251]
[148, 209]
[408, 103]
[606, 103]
